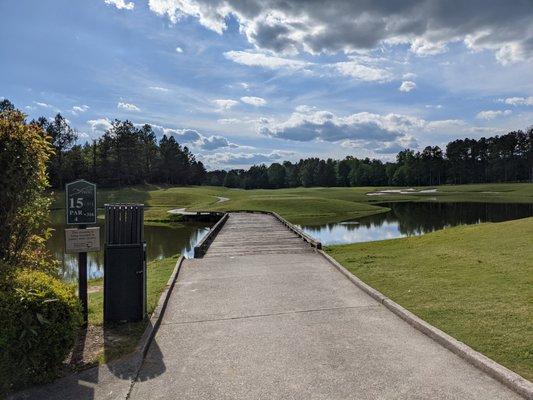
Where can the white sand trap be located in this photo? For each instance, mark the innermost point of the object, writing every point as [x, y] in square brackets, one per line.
[400, 191]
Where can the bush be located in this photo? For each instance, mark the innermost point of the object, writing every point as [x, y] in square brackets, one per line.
[24, 154]
[39, 320]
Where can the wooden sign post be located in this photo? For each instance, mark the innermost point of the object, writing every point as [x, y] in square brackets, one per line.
[81, 211]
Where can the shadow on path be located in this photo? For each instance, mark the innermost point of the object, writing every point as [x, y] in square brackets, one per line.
[108, 381]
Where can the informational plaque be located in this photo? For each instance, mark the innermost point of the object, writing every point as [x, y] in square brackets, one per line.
[81, 203]
[82, 240]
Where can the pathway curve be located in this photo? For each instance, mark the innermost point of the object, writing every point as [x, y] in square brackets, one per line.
[183, 211]
[262, 316]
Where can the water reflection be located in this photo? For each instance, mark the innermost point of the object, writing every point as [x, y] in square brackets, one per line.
[413, 218]
[161, 242]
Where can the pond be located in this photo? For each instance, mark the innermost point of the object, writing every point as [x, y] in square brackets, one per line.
[415, 218]
[161, 242]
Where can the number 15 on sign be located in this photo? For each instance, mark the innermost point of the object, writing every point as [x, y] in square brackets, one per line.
[81, 203]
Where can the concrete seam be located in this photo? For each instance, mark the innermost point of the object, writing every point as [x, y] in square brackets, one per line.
[271, 314]
[495, 370]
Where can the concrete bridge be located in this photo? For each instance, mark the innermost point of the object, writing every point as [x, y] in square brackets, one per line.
[263, 316]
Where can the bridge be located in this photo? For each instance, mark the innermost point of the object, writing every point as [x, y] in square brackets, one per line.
[264, 316]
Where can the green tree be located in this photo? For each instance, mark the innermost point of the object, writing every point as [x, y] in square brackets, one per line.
[63, 137]
[24, 154]
[276, 175]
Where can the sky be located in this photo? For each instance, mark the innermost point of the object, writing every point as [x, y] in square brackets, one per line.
[258, 81]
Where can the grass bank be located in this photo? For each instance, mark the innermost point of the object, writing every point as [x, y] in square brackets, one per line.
[298, 205]
[473, 282]
[102, 344]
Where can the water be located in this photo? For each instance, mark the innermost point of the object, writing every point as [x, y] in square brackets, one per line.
[161, 242]
[414, 218]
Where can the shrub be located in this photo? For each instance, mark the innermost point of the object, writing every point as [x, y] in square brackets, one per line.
[39, 319]
[24, 154]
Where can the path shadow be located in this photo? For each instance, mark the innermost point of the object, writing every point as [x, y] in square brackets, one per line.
[140, 364]
[107, 381]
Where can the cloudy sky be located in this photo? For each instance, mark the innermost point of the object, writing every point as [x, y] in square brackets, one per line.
[260, 81]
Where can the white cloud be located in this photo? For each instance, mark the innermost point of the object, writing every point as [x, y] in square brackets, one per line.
[99, 125]
[158, 89]
[407, 86]
[225, 104]
[247, 159]
[254, 101]
[183, 135]
[308, 125]
[437, 106]
[121, 4]
[213, 142]
[79, 109]
[423, 47]
[380, 133]
[227, 121]
[356, 70]
[196, 139]
[409, 76]
[518, 101]
[445, 125]
[179, 50]
[340, 26]
[491, 114]
[127, 106]
[43, 105]
[264, 60]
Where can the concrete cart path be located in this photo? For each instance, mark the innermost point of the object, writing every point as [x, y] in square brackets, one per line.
[263, 316]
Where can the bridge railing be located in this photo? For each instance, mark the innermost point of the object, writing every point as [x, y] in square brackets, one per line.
[310, 240]
[201, 248]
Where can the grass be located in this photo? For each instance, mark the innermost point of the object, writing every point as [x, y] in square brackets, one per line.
[121, 339]
[299, 205]
[473, 282]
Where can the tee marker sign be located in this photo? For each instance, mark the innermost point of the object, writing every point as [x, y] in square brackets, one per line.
[81, 203]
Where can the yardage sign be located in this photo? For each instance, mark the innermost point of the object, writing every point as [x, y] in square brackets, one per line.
[81, 203]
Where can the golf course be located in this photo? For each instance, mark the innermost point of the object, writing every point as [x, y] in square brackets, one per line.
[473, 282]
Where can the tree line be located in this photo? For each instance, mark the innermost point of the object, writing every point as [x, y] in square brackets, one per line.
[127, 154]
[505, 158]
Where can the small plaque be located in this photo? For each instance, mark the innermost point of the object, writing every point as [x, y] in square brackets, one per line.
[82, 240]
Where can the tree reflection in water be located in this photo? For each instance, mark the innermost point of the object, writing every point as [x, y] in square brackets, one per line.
[416, 218]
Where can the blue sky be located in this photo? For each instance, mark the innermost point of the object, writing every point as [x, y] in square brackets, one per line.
[263, 81]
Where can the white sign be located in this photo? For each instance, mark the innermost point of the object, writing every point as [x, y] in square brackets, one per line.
[82, 240]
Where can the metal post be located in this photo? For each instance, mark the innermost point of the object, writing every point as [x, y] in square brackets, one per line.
[82, 283]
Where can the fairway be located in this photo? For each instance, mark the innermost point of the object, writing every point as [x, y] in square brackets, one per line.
[298, 205]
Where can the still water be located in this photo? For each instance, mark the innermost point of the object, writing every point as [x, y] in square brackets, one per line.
[161, 242]
[413, 218]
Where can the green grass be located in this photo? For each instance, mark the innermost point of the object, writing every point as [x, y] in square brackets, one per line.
[473, 282]
[158, 273]
[299, 205]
